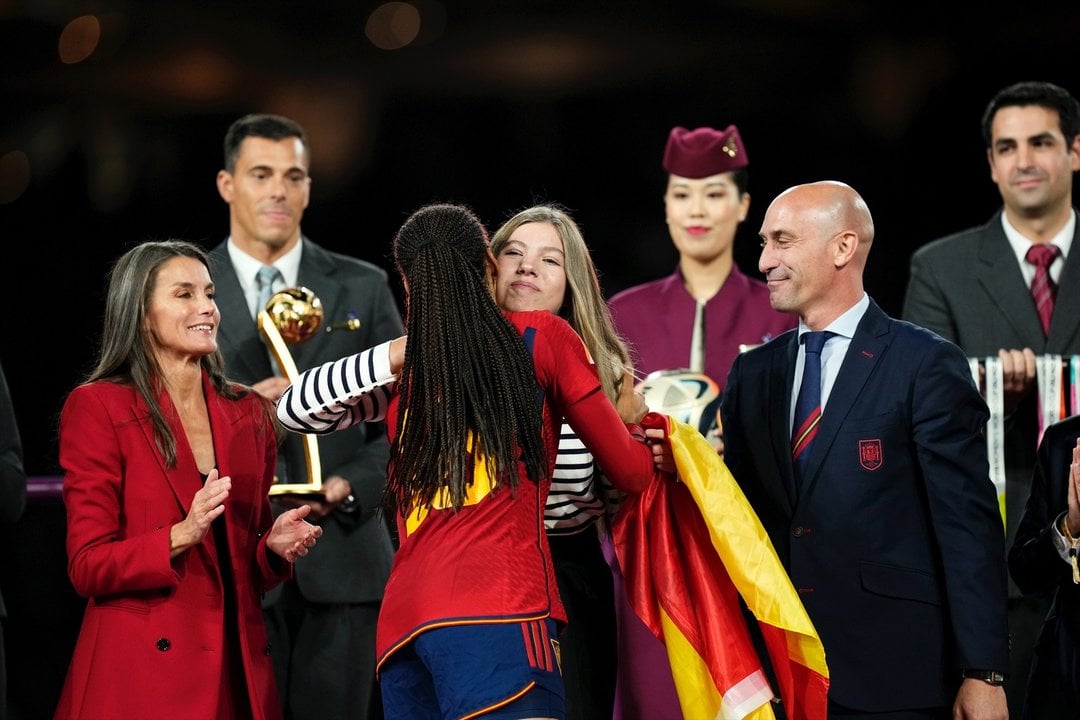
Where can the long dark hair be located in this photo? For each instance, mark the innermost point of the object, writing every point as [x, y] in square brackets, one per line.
[467, 374]
[125, 354]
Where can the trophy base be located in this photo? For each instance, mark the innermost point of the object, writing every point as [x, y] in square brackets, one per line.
[296, 489]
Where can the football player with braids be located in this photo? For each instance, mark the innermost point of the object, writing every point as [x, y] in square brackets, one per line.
[490, 407]
[473, 398]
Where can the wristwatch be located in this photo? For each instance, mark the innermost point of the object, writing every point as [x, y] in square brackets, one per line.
[990, 677]
[349, 505]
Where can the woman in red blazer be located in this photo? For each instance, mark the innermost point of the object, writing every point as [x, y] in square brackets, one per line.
[169, 529]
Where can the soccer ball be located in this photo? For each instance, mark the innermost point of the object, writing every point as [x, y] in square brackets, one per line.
[687, 396]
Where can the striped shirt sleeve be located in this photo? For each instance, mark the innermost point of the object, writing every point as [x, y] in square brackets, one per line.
[340, 393]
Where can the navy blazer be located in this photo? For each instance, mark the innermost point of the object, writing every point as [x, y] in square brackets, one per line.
[895, 543]
[1054, 684]
[355, 552]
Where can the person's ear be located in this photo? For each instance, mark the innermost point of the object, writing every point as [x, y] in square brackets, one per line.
[847, 243]
[225, 185]
[744, 206]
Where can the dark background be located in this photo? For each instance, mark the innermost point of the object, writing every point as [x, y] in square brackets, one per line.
[495, 104]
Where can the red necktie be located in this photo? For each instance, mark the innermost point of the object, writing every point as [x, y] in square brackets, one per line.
[1043, 288]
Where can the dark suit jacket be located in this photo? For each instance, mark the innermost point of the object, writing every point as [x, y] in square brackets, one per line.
[1054, 686]
[352, 560]
[151, 641]
[895, 542]
[968, 288]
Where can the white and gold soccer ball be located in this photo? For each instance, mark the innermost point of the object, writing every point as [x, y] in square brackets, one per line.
[690, 397]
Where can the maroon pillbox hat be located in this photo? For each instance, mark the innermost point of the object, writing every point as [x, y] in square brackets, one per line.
[704, 152]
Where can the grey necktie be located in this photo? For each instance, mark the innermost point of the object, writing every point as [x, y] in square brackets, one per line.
[267, 276]
[264, 281]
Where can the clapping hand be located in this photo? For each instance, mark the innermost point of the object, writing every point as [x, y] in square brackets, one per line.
[292, 536]
[206, 506]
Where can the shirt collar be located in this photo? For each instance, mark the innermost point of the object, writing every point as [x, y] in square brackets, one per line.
[847, 323]
[247, 267]
[1020, 244]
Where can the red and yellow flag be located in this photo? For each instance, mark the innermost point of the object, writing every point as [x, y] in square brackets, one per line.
[688, 550]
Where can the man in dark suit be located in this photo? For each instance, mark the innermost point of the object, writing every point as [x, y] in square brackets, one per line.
[890, 531]
[321, 623]
[1044, 560]
[973, 288]
[12, 500]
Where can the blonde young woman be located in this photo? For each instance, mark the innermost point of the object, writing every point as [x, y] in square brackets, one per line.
[543, 263]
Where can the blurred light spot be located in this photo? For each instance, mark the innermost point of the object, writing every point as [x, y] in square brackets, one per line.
[542, 62]
[393, 25]
[14, 176]
[189, 73]
[79, 39]
[201, 74]
[336, 115]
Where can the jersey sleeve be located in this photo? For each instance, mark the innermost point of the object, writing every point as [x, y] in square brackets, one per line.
[572, 387]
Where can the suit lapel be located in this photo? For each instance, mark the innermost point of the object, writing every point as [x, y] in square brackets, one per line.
[1000, 278]
[184, 479]
[317, 273]
[230, 450]
[865, 351]
[238, 328]
[1065, 323]
[782, 376]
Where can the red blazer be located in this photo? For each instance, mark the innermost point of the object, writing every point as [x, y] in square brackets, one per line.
[155, 636]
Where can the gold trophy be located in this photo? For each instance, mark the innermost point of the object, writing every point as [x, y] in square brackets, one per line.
[290, 317]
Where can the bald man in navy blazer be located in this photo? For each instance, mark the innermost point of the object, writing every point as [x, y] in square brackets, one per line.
[892, 537]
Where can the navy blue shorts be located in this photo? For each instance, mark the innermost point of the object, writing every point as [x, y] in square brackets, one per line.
[498, 671]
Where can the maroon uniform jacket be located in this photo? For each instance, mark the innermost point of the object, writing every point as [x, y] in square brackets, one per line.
[657, 321]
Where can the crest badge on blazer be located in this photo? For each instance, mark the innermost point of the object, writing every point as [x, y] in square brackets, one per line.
[870, 454]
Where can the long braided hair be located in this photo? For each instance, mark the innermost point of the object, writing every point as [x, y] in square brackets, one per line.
[467, 376]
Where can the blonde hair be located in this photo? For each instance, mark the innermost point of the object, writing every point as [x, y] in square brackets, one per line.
[583, 305]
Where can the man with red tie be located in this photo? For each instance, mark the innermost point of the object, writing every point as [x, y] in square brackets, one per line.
[1011, 289]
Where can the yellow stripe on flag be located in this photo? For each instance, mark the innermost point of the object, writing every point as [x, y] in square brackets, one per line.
[744, 546]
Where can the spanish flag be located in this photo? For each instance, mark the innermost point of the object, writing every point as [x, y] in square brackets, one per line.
[688, 550]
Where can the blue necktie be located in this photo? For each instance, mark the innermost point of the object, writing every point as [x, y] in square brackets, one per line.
[808, 406]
